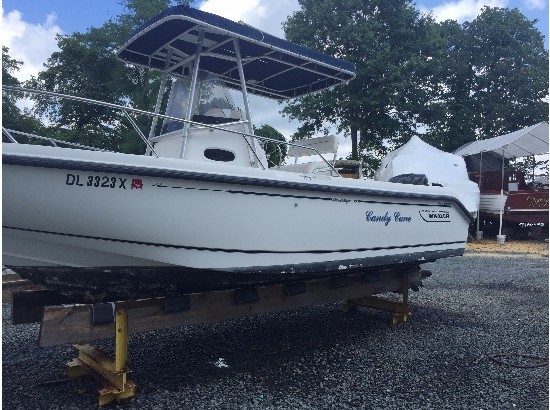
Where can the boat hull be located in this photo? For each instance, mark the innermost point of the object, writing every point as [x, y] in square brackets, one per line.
[75, 217]
[98, 284]
[529, 207]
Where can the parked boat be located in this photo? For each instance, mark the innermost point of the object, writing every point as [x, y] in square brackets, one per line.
[417, 162]
[202, 209]
[508, 204]
[524, 207]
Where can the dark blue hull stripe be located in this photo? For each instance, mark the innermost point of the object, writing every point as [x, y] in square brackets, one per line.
[199, 248]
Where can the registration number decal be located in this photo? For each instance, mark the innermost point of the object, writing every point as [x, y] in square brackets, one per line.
[102, 181]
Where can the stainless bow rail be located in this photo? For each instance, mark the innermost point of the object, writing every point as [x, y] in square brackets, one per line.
[126, 110]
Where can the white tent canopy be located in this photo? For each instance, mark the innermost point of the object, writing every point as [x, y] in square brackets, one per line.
[531, 140]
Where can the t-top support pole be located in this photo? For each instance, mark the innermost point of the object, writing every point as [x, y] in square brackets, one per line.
[192, 91]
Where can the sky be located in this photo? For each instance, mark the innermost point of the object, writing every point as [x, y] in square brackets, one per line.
[30, 27]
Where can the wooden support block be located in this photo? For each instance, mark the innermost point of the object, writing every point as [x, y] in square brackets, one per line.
[93, 362]
[10, 276]
[150, 314]
[76, 369]
[75, 324]
[28, 306]
[108, 394]
[12, 283]
[382, 304]
[399, 318]
[101, 364]
[400, 310]
[110, 373]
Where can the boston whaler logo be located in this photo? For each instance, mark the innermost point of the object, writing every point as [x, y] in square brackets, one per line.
[386, 218]
[429, 215]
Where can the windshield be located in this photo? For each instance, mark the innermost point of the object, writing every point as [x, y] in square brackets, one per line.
[212, 104]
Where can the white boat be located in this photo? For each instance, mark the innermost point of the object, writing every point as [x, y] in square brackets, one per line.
[201, 210]
[492, 203]
[508, 204]
[419, 162]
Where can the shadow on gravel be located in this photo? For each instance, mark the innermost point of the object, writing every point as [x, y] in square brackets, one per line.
[508, 287]
[273, 347]
[321, 358]
[255, 344]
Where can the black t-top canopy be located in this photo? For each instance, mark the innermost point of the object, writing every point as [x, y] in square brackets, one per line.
[272, 67]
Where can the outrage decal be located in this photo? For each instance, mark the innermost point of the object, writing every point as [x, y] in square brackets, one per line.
[99, 181]
[429, 215]
[370, 216]
[341, 200]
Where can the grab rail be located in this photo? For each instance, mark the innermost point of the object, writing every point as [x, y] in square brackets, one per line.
[53, 141]
[125, 110]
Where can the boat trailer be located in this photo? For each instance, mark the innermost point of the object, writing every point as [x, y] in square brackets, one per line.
[78, 324]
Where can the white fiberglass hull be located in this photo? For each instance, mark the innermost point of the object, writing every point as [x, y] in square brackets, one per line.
[492, 203]
[81, 210]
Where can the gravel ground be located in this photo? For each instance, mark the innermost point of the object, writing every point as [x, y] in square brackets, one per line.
[320, 358]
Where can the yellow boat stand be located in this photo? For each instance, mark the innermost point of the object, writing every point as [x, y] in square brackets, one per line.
[399, 310]
[111, 373]
[63, 323]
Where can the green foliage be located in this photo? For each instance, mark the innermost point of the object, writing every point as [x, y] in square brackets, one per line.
[86, 66]
[387, 43]
[276, 153]
[529, 166]
[12, 117]
[456, 83]
[494, 79]
[450, 112]
[511, 71]
[9, 67]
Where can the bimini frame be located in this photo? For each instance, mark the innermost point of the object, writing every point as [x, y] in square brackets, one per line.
[10, 133]
[181, 41]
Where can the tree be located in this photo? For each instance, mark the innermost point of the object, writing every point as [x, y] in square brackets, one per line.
[529, 166]
[390, 44]
[510, 65]
[12, 116]
[9, 67]
[450, 113]
[493, 79]
[276, 153]
[86, 66]
[451, 82]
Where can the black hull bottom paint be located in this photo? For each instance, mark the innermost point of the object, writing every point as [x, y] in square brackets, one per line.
[100, 284]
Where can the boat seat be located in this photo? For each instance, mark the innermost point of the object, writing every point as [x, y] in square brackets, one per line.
[318, 167]
[324, 145]
[215, 112]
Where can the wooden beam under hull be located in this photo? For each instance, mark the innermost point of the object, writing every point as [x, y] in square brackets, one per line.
[77, 326]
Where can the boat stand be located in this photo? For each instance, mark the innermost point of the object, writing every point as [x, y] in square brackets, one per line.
[62, 323]
[400, 310]
[110, 373]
